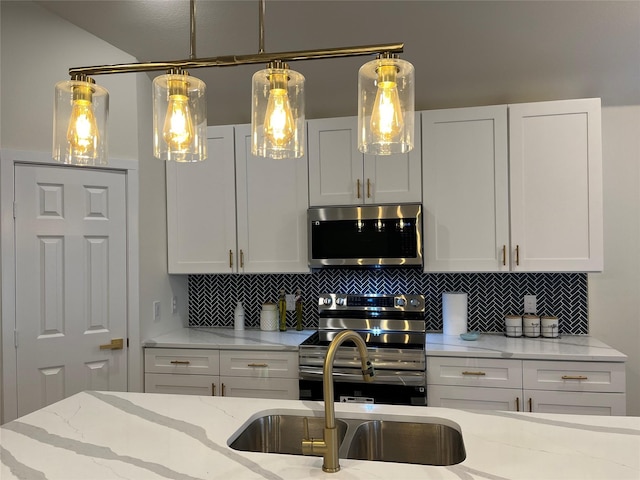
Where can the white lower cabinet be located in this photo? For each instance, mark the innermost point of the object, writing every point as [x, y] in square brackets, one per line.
[259, 374]
[588, 388]
[230, 373]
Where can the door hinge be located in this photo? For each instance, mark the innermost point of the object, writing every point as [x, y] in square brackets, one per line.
[15, 338]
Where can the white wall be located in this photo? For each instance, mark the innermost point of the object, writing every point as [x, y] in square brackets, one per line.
[614, 295]
[37, 49]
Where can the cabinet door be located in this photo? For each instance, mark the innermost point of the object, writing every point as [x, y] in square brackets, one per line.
[272, 202]
[204, 385]
[579, 403]
[474, 398]
[555, 158]
[465, 189]
[201, 211]
[394, 178]
[250, 387]
[335, 163]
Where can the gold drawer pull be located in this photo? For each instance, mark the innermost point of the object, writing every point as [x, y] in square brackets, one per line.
[477, 374]
[223, 389]
[517, 404]
[574, 377]
[180, 362]
[263, 365]
[213, 389]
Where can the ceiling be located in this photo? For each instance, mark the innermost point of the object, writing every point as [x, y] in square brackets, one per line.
[465, 53]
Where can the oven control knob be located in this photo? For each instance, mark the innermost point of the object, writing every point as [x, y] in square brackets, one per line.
[400, 302]
[414, 302]
[341, 301]
[326, 300]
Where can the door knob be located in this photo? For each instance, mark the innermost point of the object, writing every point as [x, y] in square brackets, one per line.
[116, 344]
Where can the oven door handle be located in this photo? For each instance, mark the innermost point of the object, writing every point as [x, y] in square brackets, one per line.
[382, 376]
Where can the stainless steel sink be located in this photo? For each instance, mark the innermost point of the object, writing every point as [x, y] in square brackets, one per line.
[404, 442]
[281, 434]
[434, 443]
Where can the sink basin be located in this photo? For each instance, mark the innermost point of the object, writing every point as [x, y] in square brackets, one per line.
[404, 442]
[434, 443]
[281, 434]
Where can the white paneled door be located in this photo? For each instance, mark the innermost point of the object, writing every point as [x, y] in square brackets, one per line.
[71, 283]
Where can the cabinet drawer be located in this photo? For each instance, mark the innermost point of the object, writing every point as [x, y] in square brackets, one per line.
[577, 403]
[474, 398]
[259, 364]
[181, 361]
[206, 385]
[282, 388]
[574, 376]
[481, 372]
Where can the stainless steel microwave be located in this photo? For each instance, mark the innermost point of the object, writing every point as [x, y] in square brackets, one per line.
[365, 236]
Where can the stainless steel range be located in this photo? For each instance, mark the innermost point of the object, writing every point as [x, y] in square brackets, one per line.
[393, 326]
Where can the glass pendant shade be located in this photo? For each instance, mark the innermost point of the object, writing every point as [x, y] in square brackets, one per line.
[386, 106]
[80, 116]
[179, 118]
[277, 113]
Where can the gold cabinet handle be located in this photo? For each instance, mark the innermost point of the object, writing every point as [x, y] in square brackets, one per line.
[517, 404]
[530, 404]
[223, 389]
[358, 188]
[504, 254]
[262, 365]
[180, 362]
[477, 374]
[241, 259]
[116, 344]
[574, 377]
[213, 389]
[230, 259]
[368, 188]
[517, 254]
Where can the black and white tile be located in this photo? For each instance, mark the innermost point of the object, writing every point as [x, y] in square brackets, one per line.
[212, 298]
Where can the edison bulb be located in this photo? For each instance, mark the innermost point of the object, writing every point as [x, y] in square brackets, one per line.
[178, 125]
[82, 132]
[386, 118]
[279, 125]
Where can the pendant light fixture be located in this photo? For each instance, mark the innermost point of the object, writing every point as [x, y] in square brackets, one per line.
[386, 106]
[385, 117]
[179, 117]
[81, 109]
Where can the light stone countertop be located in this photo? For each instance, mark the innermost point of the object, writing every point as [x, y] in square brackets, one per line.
[136, 436]
[228, 338]
[488, 345]
[495, 345]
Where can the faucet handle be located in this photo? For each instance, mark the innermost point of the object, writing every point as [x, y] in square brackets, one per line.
[305, 426]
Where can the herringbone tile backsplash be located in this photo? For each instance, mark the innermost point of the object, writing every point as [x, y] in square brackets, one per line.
[491, 296]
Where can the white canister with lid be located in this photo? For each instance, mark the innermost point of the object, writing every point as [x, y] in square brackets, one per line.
[238, 317]
[269, 317]
[549, 327]
[513, 325]
[531, 325]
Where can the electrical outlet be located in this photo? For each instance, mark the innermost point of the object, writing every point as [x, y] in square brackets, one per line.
[174, 305]
[156, 311]
[529, 304]
[291, 302]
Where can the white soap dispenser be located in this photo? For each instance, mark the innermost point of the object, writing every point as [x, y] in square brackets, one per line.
[238, 317]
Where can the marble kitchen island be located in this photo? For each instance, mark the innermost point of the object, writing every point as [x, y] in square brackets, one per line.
[137, 436]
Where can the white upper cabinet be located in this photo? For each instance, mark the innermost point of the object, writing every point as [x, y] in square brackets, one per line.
[236, 213]
[465, 189]
[523, 194]
[555, 155]
[272, 201]
[201, 209]
[339, 174]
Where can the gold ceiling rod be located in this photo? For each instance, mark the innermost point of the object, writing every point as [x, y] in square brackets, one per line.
[234, 60]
